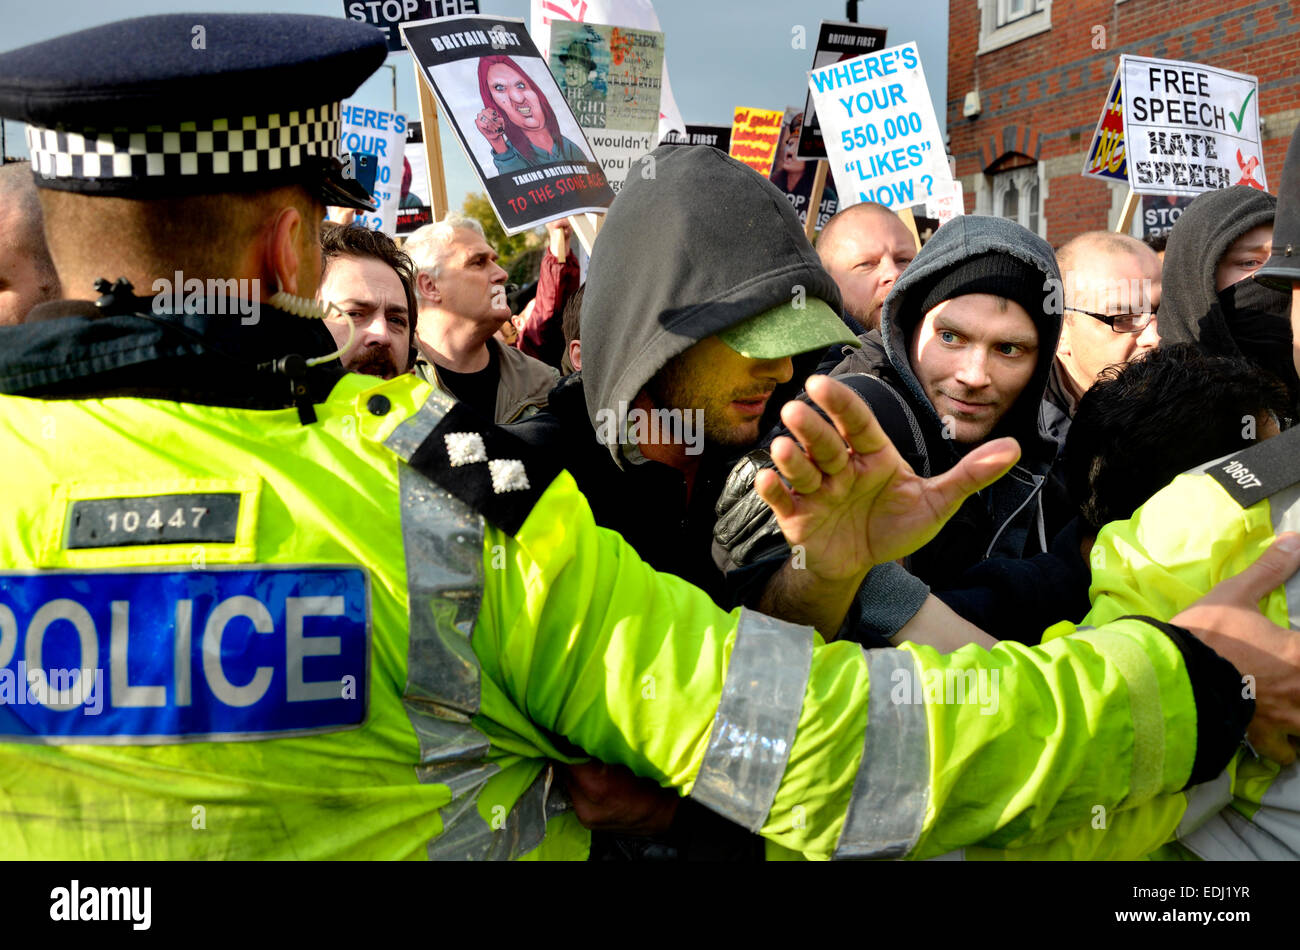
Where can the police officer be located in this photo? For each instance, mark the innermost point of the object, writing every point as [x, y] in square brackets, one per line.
[1161, 560]
[316, 615]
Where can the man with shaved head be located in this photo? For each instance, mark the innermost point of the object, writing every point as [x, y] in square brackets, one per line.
[1112, 289]
[27, 274]
[865, 248]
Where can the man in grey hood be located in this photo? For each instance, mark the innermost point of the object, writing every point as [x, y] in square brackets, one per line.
[1210, 298]
[962, 356]
[704, 311]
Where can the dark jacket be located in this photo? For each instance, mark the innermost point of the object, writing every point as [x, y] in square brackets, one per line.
[1011, 518]
[1248, 319]
[1019, 598]
[70, 349]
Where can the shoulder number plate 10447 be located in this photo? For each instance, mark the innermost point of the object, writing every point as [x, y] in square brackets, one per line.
[153, 655]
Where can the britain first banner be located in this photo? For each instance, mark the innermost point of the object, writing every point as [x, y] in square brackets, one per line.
[882, 136]
[517, 130]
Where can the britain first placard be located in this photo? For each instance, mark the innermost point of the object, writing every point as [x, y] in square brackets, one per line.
[715, 136]
[1189, 128]
[882, 136]
[516, 128]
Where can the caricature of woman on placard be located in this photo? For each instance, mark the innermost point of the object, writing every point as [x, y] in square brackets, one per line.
[517, 121]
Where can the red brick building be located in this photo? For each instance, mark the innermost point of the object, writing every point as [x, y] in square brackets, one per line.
[1027, 80]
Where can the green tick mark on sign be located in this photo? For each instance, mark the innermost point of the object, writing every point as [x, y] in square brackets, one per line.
[1239, 117]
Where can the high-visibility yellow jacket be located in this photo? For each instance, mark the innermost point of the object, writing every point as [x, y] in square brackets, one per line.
[1208, 525]
[368, 637]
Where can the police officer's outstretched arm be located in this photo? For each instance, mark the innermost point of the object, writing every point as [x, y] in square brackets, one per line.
[829, 749]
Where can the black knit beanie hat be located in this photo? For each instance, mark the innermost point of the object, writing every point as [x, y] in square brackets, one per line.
[993, 273]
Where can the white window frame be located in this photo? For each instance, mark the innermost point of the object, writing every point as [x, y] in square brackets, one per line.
[994, 188]
[999, 29]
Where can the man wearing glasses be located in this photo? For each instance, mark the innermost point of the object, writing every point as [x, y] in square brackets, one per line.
[1112, 290]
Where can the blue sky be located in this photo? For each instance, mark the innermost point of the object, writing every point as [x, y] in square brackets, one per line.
[720, 53]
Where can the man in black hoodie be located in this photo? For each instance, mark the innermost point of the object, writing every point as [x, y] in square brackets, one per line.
[704, 311]
[966, 343]
[1209, 298]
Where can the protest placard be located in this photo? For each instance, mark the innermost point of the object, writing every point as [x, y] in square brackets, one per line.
[1106, 157]
[387, 15]
[836, 42]
[944, 208]
[372, 145]
[796, 177]
[1189, 128]
[881, 133]
[1159, 212]
[636, 14]
[716, 136]
[755, 135]
[610, 77]
[414, 203]
[513, 123]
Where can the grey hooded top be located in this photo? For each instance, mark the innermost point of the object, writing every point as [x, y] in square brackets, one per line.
[695, 243]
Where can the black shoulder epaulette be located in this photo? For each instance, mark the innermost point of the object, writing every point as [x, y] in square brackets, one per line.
[494, 472]
[1263, 470]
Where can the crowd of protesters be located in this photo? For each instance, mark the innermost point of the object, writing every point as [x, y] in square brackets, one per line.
[1113, 372]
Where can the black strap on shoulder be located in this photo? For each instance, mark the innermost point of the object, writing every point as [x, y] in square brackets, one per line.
[495, 473]
[894, 415]
[1260, 471]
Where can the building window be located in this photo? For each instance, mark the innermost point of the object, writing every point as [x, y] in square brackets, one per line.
[1017, 195]
[1003, 22]
[1012, 10]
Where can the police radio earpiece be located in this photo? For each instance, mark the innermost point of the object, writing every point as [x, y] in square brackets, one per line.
[312, 310]
[295, 366]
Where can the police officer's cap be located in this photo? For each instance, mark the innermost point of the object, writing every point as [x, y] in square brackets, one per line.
[186, 104]
[1283, 265]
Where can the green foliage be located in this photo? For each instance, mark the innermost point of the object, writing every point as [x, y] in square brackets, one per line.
[513, 250]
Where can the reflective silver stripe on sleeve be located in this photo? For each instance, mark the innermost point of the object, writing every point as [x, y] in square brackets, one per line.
[442, 538]
[887, 811]
[1203, 801]
[756, 719]
[505, 835]
[1229, 837]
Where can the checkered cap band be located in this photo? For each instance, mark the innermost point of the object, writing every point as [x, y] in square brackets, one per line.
[250, 145]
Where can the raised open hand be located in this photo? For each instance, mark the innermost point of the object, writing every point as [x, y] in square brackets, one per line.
[852, 502]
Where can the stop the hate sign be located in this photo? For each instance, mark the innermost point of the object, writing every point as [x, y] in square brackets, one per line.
[882, 136]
